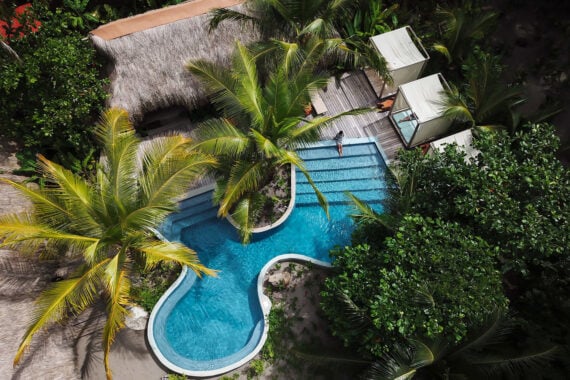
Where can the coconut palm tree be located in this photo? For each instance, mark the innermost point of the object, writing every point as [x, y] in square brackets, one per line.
[484, 100]
[461, 27]
[303, 21]
[288, 19]
[261, 127]
[480, 357]
[109, 222]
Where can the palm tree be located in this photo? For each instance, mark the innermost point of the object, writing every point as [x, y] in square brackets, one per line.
[261, 127]
[484, 100]
[109, 222]
[303, 21]
[481, 357]
[287, 19]
[461, 28]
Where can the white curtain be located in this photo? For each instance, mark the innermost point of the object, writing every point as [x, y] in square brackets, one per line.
[425, 97]
[404, 59]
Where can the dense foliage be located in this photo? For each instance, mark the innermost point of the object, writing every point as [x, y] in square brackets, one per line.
[516, 196]
[431, 279]
[51, 97]
[510, 206]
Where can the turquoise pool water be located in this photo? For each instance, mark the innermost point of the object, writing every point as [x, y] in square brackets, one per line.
[214, 322]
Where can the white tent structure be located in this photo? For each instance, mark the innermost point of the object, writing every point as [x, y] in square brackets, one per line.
[405, 56]
[462, 139]
[417, 113]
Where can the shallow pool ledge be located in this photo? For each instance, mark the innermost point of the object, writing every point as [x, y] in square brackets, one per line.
[263, 300]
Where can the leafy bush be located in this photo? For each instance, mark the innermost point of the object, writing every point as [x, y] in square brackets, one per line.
[432, 279]
[153, 284]
[50, 99]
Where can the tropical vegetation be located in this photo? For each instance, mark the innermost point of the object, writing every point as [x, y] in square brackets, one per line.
[301, 21]
[486, 354]
[57, 78]
[431, 280]
[107, 222]
[483, 100]
[262, 125]
[474, 232]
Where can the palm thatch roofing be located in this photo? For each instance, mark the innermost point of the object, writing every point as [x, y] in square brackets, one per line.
[149, 52]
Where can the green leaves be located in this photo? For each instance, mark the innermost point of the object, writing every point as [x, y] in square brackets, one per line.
[430, 279]
[261, 126]
[107, 223]
[49, 99]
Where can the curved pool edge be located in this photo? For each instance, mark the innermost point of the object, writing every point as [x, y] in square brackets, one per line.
[263, 300]
[283, 217]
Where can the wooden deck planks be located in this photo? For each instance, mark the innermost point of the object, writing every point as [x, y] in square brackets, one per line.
[355, 91]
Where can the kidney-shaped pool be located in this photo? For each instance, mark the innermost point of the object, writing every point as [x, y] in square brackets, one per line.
[209, 326]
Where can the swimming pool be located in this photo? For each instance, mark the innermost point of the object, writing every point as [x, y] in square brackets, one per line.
[209, 326]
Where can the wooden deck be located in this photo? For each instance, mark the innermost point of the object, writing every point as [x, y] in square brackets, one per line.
[355, 91]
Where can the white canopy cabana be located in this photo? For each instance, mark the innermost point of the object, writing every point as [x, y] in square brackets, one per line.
[418, 110]
[462, 139]
[405, 56]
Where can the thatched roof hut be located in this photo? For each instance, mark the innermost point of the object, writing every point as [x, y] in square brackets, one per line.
[149, 55]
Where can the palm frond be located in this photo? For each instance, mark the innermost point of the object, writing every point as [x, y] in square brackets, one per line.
[222, 85]
[516, 367]
[245, 177]
[63, 297]
[41, 200]
[245, 214]
[118, 162]
[297, 135]
[221, 137]
[249, 90]
[22, 231]
[358, 318]
[220, 15]
[320, 196]
[74, 192]
[118, 287]
[443, 50]
[157, 251]
[361, 211]
[402, 362]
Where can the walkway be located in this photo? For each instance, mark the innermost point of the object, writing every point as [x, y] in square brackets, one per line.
[355, 91]
[159, 17]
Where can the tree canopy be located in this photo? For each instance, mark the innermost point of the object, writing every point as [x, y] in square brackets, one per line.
[52, 95]
[492, 227]
[431, 279]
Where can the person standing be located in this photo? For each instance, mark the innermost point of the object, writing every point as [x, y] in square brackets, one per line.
[338, 138]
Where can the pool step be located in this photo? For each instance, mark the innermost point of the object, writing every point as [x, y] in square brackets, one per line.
[360, 171]
[355, 173]
[331, 152]
[342, 185]
[201, 201]
[339, 197]
[344, 162]
[189, 218]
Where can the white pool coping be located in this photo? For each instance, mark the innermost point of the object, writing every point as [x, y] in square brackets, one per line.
[283, 217]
